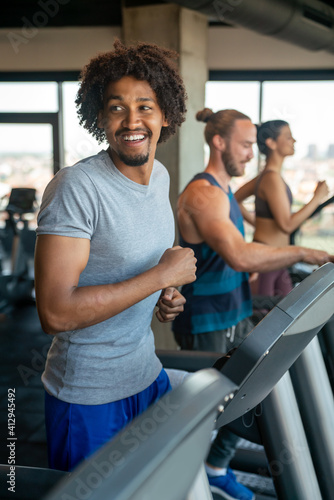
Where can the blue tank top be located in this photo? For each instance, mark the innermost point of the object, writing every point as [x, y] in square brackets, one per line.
[220, 297]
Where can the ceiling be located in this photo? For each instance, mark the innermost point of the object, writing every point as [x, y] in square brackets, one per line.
[16, 13]
[308, 23]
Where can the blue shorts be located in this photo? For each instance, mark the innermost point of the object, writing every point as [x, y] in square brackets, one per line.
[75, 431]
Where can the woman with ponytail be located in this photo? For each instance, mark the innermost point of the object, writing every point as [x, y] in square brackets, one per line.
[274, 220]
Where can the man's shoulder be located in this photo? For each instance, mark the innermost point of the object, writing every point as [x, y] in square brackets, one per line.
[74, 178]
[157, 165]
[203, 184]
[203, 198]
[160, 172]
[92, 166]
[91, 161]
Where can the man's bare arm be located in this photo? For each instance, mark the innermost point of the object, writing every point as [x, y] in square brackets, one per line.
[62, 305]
[212, 224]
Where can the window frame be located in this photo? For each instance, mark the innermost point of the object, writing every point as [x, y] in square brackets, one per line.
[262, 76]
[54, 119]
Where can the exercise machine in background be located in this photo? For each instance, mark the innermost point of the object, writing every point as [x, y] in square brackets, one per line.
[295, 421]
[17, 245]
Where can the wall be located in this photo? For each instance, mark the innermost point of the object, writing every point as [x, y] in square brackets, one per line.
[47, 49]
[242, 49]
[53, 49]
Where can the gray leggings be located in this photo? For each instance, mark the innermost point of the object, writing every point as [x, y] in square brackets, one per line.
[216, 341]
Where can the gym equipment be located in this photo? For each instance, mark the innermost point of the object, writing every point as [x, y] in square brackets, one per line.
[31, 483]
[316, 405]
[326, 340]
[316, 211]
[258, 364]
[160, 453]
[17, 249]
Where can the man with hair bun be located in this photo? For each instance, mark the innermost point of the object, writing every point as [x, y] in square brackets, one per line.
[218, 304]
[104, 258]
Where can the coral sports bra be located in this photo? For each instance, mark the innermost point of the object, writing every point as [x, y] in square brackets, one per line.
[262, 208]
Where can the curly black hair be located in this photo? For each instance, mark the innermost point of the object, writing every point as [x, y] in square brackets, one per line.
[143, 61]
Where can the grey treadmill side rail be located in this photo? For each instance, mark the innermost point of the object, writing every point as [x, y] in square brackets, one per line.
[286, 445]
[277, 341]
[316, 404]
[31, 483]
[159, 454]
[190, 361]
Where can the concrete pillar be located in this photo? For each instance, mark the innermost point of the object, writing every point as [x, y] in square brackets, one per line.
[184, 31]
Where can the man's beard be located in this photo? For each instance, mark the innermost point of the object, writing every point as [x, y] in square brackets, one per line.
[230, 166]
[139, 159]
[134, 161]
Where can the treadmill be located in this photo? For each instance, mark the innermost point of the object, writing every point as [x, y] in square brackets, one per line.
[160, 453]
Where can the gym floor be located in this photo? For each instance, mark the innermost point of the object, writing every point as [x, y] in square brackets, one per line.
[23, 347]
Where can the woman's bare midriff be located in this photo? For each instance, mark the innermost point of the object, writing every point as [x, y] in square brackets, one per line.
[267, 231]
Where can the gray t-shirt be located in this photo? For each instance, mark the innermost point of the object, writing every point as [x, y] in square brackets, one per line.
[129, 226]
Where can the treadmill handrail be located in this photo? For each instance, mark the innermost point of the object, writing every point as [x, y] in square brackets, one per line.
[149, 455]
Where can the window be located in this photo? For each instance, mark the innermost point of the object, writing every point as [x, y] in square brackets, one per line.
[243, 96]
[23, 97]
[29, 131]
[25, 157]
[40, 133]
[78, 143]
[308, 107]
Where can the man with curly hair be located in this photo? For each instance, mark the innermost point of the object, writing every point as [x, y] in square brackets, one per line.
[103, 255]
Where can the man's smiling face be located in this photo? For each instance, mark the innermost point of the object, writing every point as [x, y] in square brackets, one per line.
[132, 120]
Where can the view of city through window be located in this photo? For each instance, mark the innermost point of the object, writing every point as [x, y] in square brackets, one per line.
[26, 149]
[308, 107]
[78, 143]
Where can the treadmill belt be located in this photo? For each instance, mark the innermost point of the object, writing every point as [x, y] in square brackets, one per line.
[261, 485]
